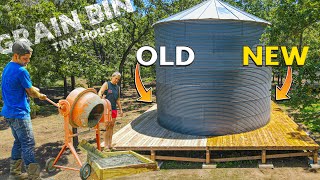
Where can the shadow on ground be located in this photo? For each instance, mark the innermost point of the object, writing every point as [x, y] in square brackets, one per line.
[3, 124]
[43, 153]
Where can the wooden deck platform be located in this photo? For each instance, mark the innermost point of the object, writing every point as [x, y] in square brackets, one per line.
[281, 133]
[144, 133]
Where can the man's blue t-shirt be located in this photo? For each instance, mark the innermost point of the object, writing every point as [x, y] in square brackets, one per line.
[15, 78]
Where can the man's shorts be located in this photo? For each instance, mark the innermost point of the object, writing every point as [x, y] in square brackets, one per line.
[114, 113]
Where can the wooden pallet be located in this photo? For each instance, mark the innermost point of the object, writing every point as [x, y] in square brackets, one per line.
[281, 133]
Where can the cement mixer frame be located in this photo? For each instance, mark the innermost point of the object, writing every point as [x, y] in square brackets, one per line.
[66, 109]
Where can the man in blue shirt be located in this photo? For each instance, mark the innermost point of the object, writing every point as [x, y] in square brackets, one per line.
[16, 86]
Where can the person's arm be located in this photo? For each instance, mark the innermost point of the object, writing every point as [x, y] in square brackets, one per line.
[34, 92]
[26, 83]
[37, 89]
[119, 105]
[102, 89]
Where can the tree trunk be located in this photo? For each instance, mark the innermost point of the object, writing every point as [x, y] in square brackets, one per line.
[126, 53]
[273, 77]
[65, 87]
[96, 49]
[73, 83]
[102, 54]
[123, 78]
[300, 42]
[39, 80]
[300, 71]
[131, 71]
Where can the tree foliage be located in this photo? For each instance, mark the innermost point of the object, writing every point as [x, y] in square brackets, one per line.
[294, 23]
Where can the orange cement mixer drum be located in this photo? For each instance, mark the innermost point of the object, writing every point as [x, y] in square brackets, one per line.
[86, 107]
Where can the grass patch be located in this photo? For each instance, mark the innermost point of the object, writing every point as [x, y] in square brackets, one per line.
[312, 109]
[180, 165]
[238, 164]
[309, 115]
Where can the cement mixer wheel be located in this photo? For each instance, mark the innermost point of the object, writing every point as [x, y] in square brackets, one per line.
[49, 165]
[85, 171]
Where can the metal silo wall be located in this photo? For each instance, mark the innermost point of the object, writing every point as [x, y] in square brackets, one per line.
[216, 94]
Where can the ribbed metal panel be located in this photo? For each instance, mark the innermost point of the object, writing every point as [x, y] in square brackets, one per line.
[216, 94]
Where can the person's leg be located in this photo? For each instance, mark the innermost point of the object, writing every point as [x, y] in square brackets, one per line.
[26, 138]
[16, 149]
[109, 133]
[109, 130]
[16, 161]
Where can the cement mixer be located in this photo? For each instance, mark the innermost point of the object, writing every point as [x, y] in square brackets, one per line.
[83, 108]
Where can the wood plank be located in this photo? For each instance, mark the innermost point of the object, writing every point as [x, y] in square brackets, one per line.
[285, 130]
[263, 156]
[180, 159]
[268, 141]
[152, 129]
[261, 141]
[273, 156]
[315, 156]
[130, 132]
[278, 134]
[153, 155]
[121, 134]
[236, 159]
[207, 156]
[155, 141]
[137, 136]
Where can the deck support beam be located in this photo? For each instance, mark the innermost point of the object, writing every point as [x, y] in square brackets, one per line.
[264, 156]
[153, 155]
[207, 156]
[315, 156]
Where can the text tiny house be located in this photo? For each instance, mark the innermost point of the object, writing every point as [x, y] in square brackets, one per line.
[60, 26]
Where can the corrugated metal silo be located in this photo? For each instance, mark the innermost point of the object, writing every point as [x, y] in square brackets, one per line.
[216, 94]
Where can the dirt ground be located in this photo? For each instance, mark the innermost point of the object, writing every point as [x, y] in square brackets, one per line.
[49, 136]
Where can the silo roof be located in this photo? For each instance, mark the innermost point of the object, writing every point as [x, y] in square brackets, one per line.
[213, 9]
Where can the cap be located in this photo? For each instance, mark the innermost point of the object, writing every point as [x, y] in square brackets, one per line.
[21, 47]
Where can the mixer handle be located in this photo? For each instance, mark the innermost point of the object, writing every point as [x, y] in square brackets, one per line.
[53, 103]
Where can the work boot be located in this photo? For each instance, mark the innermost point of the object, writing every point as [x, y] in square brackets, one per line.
[15, 170]
[33, 171]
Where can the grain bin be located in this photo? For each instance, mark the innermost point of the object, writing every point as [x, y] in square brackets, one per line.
[216, 94]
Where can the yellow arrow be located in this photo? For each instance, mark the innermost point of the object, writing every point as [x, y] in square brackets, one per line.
[281, 94]
[145, 95]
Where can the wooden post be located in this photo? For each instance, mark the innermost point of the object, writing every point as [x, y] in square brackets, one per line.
[207, 156]
[264, 156]
[315, 156]
[153, 155]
